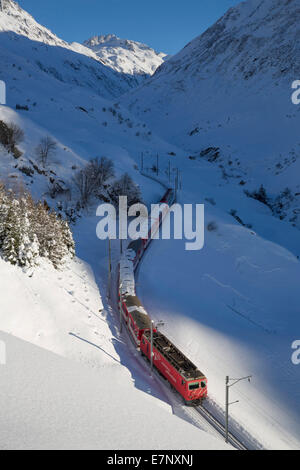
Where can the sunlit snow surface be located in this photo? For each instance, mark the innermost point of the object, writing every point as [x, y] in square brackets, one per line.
[53, 403]
[234, 307]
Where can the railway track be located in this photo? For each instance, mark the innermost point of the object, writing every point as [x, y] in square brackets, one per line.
[215, 423]
[212, 421]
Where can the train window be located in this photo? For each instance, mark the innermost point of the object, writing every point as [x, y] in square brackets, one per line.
[203, 384]
[194, 385]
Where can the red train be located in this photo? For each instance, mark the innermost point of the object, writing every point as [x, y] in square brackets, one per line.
[136, 318]
[171, 363]
[182, 374]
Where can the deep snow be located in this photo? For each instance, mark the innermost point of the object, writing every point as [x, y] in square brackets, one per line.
[126, 56]
[234, 306]
[231, 88]
[53, 403]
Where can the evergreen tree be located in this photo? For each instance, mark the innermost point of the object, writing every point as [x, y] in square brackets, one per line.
[4, 206]
[67, 238]
[11, 239]
[28, 230]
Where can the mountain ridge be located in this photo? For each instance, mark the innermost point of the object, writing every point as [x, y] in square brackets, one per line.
[230, 88]
[126, 56]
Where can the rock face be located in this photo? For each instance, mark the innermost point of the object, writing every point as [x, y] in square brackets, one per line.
[129, 57]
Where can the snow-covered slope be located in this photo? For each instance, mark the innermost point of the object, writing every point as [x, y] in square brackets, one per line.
[234, 307]
[50, 306]
[125, 56]
[66, 94]
[75, 65]
[15, 19]
[51, 403]
[231, 88]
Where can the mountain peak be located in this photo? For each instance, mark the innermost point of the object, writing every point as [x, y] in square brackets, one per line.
[101, 39]
[14, 19]
[126, 56]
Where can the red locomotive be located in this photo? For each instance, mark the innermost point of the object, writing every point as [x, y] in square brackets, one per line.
[182, 374]
[171, 363]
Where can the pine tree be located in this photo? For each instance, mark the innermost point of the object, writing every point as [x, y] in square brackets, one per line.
[28, 230]
[67, 238]
[28, 244]
[4, 206]
[11, 241]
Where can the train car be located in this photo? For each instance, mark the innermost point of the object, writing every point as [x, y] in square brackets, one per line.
[136, 317]
[168, 197]
[137, 247]
[182, 374]
[126, 280]
[156, 222]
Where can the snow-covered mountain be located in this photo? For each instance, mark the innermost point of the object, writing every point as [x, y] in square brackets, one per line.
[65, 91]
[125, 56]
[225, 119]
[17, 20]
[230, 89]
[38, 49]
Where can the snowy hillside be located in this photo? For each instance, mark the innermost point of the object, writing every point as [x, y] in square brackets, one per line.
[15, 19]
[36, 413]
[66, 94]
[44, 396]
[49, 54]
[234, 307]
[230, 89]
[221, 112]
[125, 56]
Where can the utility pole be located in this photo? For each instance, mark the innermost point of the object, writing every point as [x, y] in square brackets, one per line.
[121, 307]
[227, 409]
[176, 183]
[109, 266]
[227, 404]
[151, 358]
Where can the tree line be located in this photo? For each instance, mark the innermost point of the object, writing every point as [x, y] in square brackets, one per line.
[29, 231]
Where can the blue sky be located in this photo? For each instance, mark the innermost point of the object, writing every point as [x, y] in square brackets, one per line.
[166, 25]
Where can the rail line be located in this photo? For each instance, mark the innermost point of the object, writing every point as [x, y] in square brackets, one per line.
[215, 423]
[201, 410]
